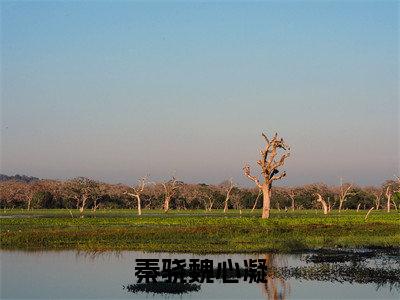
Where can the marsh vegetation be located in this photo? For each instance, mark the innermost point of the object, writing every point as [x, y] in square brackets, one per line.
[197, 231]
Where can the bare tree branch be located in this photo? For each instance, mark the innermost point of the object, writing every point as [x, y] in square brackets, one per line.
[246, 172]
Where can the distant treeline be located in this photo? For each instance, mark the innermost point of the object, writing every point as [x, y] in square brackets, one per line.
[83, 193]
[22, 178]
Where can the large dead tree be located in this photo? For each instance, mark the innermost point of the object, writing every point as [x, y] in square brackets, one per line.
[269, 169]
[138, 191]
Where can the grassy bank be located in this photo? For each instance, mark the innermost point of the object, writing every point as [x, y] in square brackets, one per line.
[196, 231]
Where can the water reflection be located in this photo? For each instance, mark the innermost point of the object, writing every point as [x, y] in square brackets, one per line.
[363, 267]
[275, 287]
[95, 255]
[163, 288]
[328, 273]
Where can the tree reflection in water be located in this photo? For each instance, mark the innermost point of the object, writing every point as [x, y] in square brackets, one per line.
[94, 255]
[381, 268]
[275, 288]
[364, 267]
[163, 288]
[378, 267]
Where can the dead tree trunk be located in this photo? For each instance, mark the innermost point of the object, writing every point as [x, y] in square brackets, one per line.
[170, 188]
[208, 204]
[378, 196]
[139, 204]
[358, 207]
[137, 192]
[95, 204]
[29, 203]
[324, 205]
[389, 197]
[255, 202]
[228, 195]
[330, 207]
[369, 211]
[83, 203]
[211, 205]
[344, 192]
[167, 200]
[266, 201]
[398, 192]
[394, 204]
[269, 169]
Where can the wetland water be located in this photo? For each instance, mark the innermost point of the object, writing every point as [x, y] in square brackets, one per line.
[111, 275]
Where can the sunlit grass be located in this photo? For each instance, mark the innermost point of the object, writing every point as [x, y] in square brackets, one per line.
[197, 231]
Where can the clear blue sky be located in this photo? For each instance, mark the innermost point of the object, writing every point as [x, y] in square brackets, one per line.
[117, 90]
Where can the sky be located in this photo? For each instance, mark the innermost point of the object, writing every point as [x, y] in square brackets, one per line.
[118, 90]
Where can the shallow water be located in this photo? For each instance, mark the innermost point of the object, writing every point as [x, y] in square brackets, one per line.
[20, 216]
[111, 275]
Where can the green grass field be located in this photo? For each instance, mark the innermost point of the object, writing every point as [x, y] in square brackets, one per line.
[197, 231]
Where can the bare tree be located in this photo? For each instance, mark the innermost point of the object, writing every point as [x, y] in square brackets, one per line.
[208, 202]
[207, 194]
[396, 192]
[344, 191]
[255, 202]
[170, 188]
[97, 193]
[81, 189]
[33, 188]
[388, 194]
[237, 202]
[138, 191]
[292, 195]
[228, 194]
[331, 206]
[377, 193]
[324, 205]
[269, 169]
[392, 190]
